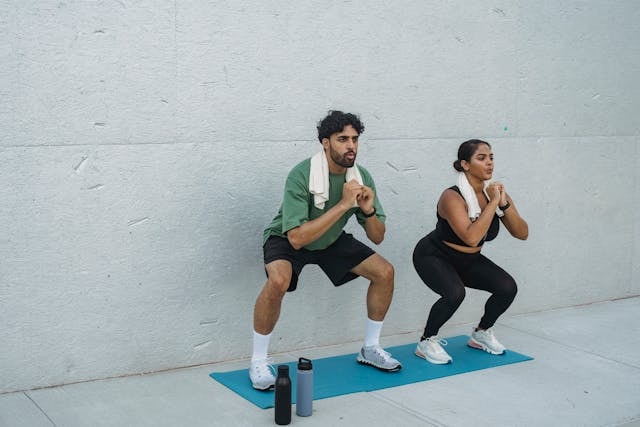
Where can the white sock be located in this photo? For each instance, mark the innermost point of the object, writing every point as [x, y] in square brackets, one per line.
[260, 345]
[372, 334]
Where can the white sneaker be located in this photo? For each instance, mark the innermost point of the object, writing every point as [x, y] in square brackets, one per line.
[485, 340]
[261, 374]
[431, 350]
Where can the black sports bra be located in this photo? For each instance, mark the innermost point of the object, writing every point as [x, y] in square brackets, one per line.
[446, 233]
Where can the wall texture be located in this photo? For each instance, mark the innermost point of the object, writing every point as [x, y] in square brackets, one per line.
[144, 147]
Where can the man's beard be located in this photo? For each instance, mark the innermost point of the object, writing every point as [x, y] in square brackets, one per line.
[341, 160]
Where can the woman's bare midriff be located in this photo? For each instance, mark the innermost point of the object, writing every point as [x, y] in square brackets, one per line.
[464, 249]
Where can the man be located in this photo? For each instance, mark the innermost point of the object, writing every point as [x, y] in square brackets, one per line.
[321, 194]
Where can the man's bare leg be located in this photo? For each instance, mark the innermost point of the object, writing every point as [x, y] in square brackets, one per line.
[379, 295]
[267, 309]
[265, 315]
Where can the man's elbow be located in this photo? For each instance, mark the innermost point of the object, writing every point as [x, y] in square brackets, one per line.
[376, 238]
[295, 239]
[294, 242]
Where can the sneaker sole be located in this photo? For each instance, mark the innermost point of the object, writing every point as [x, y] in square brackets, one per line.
[269, 387]
[477, 345]
[430, 360]
[370, 363]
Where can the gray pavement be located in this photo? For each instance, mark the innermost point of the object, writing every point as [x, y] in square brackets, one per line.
[586, 372]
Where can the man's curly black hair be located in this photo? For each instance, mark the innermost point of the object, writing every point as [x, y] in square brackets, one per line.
[336, 121]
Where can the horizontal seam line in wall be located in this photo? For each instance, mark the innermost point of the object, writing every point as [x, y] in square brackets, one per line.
[418, 138]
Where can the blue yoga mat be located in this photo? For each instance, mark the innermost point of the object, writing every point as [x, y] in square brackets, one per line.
[337, 375]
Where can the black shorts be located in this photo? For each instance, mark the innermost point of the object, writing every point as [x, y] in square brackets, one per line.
[336, 261]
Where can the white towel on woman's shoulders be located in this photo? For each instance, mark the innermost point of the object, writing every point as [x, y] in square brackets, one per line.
[319, 179]
[469, 196]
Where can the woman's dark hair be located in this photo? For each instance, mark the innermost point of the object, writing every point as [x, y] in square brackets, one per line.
[466, 150]
[336, 121]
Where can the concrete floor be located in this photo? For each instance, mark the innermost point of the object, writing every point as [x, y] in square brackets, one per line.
[586, 372]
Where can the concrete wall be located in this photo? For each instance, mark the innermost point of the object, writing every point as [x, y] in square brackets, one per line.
[144, 147]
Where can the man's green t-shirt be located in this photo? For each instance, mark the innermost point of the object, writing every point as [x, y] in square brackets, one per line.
[297, 205]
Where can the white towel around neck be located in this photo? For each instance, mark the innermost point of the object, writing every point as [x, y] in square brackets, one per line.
[319, 179]
[469, 196]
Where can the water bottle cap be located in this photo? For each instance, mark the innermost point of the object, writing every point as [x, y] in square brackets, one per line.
[283, 369]
[304, 364]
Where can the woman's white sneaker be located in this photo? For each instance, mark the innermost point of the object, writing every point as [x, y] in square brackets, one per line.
[432, 351]
[485, 340]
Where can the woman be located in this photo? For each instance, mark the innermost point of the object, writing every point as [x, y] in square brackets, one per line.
[448, 258]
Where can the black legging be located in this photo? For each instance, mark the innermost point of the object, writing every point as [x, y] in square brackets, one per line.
[447, 272]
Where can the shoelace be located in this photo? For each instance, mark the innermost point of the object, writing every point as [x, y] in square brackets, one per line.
[437, 340]
[382, 352]
[489, 334]
[489, 338]
[269, 364]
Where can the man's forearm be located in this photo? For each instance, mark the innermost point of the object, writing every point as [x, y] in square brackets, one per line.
[312, 230]
[375, 229]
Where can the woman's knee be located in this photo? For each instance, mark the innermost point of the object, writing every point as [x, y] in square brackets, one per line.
[508, 287]
[513, 288]
[455, 296]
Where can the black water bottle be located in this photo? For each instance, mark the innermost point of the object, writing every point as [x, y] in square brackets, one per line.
[283, 396]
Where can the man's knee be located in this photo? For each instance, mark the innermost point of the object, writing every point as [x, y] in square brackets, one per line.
[388, 272]
[384, 272]
[277, 285]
